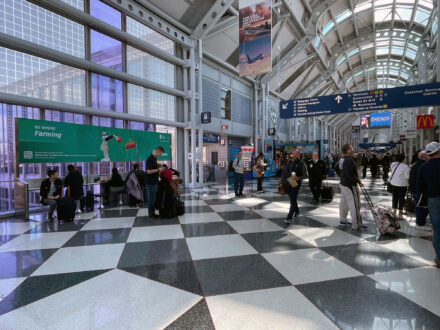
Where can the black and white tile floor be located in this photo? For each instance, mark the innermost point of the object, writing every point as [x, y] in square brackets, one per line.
[226, 264]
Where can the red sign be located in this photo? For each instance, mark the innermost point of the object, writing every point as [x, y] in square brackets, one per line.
[425, 121]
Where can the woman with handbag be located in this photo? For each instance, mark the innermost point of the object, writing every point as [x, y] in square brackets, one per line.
[399, 182]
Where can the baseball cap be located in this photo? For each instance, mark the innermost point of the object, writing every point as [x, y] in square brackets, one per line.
[432, 148]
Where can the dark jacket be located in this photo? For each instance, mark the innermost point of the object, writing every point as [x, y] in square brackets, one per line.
[317, 171]
[298, 167]
[413, 175]
[428, 178]
[75, 181]
[348, 172]
[116, 181]
[45, 188]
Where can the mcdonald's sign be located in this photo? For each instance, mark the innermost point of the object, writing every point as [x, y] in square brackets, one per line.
[425, 121]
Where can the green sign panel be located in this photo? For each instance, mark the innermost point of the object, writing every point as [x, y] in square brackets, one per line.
[42, 141]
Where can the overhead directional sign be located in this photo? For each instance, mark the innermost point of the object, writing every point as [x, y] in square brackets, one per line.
[374, 100]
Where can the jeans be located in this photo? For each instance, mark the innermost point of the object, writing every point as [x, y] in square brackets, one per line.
[260, 184]
[399, 194]
[421, 212]
[434, 216]
[52, 205]
[293, 194]
[150, 197]
[315, 187]
[238, 184]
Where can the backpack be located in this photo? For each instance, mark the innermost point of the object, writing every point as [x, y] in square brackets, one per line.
[166, 202]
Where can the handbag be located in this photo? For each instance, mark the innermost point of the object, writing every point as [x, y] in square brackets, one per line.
[389, 185]
[281, 188]
[293, 183]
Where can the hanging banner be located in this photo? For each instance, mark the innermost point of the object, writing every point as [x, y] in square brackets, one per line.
[425, 121]
[255, 36]
[355, 132]
[41, 141]
[366, 101]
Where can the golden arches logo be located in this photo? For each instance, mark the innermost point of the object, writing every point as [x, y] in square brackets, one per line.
[425, 119]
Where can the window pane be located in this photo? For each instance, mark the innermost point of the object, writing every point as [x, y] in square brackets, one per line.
[105, 13]
[36, 77]
[105, 50]
[29, 22]
[78, 4]
[107, 95]
[149, 103]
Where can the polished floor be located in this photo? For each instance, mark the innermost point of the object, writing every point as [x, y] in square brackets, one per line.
[226, 264]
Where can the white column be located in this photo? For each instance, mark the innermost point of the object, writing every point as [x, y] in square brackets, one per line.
[185, 119]
[193, 116]
[199, 76]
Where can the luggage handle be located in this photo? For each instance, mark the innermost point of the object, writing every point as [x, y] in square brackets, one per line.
[367, 197]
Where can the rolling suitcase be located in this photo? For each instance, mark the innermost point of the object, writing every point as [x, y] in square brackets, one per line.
[327, 192]
[66, 208]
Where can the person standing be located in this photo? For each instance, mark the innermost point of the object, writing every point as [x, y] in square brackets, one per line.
[350, 200]
[421, 212]
[238, 166]
[297, 170]
[259, 168]
[374, 166]
[399, 181]
[51, 190]
[317, 173]
[429, 178]
[152, 180]
[75, 186]
[364, 165]
[385, 167]
[116, 187]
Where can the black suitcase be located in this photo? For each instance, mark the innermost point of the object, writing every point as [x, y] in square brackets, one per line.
[90, 201]
[327, 193]
[66, 208]
[180, 207]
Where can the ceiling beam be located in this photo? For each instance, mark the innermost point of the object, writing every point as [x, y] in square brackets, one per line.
[211, 18]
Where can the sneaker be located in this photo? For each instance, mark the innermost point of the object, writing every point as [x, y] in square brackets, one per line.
[287, 220]
[361, 227]
[425, 228]
[240, 195]
[437, 262]
[345, 223]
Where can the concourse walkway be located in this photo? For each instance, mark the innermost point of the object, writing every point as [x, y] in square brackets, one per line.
[226, 264]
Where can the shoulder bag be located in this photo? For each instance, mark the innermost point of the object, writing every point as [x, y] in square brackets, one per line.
[389, 185]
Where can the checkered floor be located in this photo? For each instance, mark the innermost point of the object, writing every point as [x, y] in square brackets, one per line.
[227, 263]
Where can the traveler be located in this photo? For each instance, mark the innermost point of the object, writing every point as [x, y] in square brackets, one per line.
[350, 200]
[238, 167]
[374, 166]
[317, 173]
[152, 180]
[358, 162]
[429, 178]
[116, 185]
[51, 190]
[259, 168]
[364, 165]
[297, 170]
[421, 212]
[134, 189]
[167, 174]
[74, 183]
[331, 161]
[399, 180]
[386, 161]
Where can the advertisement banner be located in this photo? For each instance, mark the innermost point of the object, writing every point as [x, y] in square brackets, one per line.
[355, 132]
[425, 121]
[41, 141]
[255, 36]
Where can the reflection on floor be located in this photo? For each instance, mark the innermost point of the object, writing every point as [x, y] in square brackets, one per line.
[227, 264]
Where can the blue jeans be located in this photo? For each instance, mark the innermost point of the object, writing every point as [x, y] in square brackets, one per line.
[421, 212]
[238, 184]
[293, 194]
[150, 198]
[434, 216]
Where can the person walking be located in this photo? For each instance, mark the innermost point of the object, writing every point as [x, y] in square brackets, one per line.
[152, 180]
[421, 212]
[386, 161]
[364, 165]
[349, 182]
[296, 170]
[317, 173]
[51, 190]
[374, 166]
[400, 181]
[74, 183]
[238, 166]
[428, 178]
[259, 168]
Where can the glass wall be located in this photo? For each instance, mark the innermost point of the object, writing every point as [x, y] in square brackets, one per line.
[32, 76]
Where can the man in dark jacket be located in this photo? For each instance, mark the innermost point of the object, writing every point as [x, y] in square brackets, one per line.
[386, 162]
[74, 183]
[296, 169]
[421, 212]
[364, 165]
[317, 173]
[350, 200]
[51, 190]
[374, 166]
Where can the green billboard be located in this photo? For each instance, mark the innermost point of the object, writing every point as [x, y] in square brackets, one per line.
[41, 141]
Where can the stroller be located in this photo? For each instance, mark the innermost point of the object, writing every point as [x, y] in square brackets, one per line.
[383, 216]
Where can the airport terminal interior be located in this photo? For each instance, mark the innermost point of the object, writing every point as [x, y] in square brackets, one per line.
[219, 164]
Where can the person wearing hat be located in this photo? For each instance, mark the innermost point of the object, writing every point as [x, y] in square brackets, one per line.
[428, 179]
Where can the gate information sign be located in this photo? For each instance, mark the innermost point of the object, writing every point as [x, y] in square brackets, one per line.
[374, 100]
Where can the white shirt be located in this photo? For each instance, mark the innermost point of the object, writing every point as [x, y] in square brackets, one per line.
[401, 174]
[238, 165]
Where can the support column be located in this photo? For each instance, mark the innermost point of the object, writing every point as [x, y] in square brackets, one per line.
[256, 117]
[185, 119]
[192, 78]
[200, 155]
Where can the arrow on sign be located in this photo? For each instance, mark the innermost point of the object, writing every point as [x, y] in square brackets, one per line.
[284, 106]
[338, 99]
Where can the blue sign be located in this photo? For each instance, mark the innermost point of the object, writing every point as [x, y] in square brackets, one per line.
[206, 117]
[211, 138]
[380, 120]
[375, 100]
